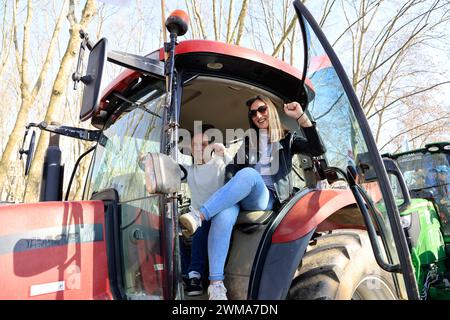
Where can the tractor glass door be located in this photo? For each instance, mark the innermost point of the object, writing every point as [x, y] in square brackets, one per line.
[347, 137]
[136, 131]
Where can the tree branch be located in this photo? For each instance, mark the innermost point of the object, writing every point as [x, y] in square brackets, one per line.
[229, 22]
[285, 36]
[411, 129]
[240, 23]
[50, 51]
[199, 19]
[408, 96]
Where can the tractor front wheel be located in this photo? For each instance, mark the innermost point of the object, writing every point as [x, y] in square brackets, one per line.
[341, 266]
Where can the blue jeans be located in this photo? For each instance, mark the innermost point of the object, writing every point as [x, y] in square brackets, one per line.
[247, 191]
[197, 259]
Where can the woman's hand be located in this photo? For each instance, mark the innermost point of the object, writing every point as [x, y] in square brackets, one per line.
[295, 111]
[218, 148]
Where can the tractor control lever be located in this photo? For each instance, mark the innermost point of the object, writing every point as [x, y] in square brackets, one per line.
[320, 165]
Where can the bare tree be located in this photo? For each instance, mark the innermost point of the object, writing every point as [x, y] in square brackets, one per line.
[6, 40]
[201, 16]
[385, 72]
[59, 85]
[380, 43]
[229, 21]
[28, 93]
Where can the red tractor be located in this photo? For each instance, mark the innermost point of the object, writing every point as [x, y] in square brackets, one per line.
[336, 240]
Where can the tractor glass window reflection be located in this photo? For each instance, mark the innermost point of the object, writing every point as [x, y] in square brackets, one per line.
[421, 170]
[143, 263]
[332, 111]
[134, 133]
[341, 133]
[396, 189]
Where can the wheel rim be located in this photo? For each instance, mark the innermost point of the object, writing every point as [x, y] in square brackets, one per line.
[373, 288]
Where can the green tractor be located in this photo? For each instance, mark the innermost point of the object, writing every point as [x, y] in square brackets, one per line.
[425, 213]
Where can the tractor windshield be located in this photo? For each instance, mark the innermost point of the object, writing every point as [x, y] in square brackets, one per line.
[125, 139]
[427, 175]
[425, 171]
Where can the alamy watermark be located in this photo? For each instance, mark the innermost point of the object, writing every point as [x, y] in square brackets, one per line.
[254, 149]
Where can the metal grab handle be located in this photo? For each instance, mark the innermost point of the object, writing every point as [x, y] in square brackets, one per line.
[391, 167]
[362, 202]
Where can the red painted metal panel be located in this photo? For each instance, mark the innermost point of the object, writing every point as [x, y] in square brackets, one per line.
[53, 250]
[193, 46]
[309, 212]
[318, 63]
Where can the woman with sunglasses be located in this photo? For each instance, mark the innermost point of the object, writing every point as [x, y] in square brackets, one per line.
[256, 180]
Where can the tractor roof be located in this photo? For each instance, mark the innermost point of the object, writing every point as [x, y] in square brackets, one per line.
[239, 62]
[429, 147]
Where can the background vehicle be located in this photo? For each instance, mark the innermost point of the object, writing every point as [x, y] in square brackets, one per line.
[344, 241]
[426, 216]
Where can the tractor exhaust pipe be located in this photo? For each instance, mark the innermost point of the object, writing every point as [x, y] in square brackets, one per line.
[53, 171]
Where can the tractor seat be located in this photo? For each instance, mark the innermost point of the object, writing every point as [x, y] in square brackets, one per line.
[248, 221]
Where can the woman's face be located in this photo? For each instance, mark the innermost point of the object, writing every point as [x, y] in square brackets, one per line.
[260, 117]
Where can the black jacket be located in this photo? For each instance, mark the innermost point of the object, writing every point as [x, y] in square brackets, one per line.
[288, 146]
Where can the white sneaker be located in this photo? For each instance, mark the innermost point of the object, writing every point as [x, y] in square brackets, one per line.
[217, 291]
[190, 222]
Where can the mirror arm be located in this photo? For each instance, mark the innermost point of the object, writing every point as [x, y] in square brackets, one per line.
[22, 150]
[76, 76]
[77, 133]
[85, 39]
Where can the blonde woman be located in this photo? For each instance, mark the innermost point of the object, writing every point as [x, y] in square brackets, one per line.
[256, 185]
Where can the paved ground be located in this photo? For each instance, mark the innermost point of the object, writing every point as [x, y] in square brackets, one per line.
[202, 297]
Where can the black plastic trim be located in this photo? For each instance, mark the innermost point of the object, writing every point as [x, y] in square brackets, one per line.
[279, 269]
[75, 167]
[265, 244]
[110, 197]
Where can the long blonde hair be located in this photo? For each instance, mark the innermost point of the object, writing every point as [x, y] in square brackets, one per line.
[277, 130]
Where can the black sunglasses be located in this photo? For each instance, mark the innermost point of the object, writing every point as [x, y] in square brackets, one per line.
[261, 109]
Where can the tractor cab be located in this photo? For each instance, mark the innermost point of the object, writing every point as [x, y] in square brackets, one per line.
[338, 236]
[427, 175]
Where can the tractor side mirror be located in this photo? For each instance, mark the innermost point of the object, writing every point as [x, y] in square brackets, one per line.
[29, 153]
[93, 78]
[162, 173]
[398, 184]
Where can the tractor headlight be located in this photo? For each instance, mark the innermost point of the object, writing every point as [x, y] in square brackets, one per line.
[405, 221]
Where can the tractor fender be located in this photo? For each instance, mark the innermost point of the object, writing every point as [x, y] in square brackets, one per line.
[288, 237]
[308, 212]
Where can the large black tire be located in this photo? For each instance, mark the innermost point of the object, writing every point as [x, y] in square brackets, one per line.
[341, 266]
